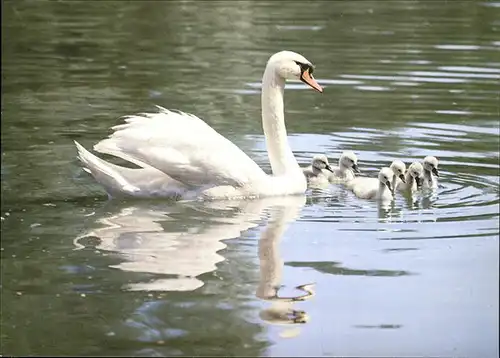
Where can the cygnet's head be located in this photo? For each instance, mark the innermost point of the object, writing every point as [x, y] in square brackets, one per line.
[431, 165]
[399, 169]
[385, 176]
[350, 160]
[416, 170]
[293, 66]
[320, 162]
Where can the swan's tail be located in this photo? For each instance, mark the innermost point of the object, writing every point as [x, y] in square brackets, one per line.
[105, 173]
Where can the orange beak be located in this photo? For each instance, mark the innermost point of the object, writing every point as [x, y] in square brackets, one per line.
[306, 77]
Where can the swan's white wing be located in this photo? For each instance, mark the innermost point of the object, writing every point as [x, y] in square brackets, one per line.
[182, 146]
[117, 180]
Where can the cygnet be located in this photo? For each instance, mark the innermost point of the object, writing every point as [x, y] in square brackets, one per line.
[374, 188]
[413, 178]
[431, 172]
[348, 165]
[318, 172]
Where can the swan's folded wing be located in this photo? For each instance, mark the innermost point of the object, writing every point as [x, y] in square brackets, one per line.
[182, 146]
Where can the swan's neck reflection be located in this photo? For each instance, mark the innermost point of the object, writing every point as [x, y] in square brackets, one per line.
[281, 310]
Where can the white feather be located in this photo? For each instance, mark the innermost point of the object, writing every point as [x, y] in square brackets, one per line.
[182, 146]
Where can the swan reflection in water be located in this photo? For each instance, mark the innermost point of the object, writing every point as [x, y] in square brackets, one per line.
[185, 250]
[271, 266]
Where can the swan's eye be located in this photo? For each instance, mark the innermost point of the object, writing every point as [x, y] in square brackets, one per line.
[305, 67]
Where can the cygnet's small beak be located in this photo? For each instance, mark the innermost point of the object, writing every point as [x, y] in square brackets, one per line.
[355, 168]
[418, 180]
[307, 78]
[435, 172]
[402, 177]
[328, 167]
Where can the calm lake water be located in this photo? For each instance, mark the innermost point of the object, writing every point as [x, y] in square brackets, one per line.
[82, 275]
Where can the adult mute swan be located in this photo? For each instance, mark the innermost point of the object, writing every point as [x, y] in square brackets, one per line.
[186, 157]
[318, 172]
[431, 172]
[348, 165]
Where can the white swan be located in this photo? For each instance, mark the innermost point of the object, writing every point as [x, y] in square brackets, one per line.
[399, 170]
[197, 161]
[348, 165]
[318, 172]
[374, 188]
[413, 178]
[431, 172]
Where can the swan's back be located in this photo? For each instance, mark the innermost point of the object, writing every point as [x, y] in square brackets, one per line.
[341, 175]
[364, 188]
[316, 178]
[182, 146]
[373, 188]
[309, 172]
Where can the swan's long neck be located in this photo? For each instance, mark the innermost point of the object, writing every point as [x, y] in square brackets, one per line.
[273, 121]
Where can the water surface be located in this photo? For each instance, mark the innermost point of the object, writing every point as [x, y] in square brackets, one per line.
[311, 275]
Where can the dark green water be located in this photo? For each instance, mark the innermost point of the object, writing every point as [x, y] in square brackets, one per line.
[82, 275]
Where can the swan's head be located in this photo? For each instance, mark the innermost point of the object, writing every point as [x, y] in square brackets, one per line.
[431, 165]
[293, 66]
[399, 169]
[417, 172]
[385, 176]
[349, 160]
[320, 162]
